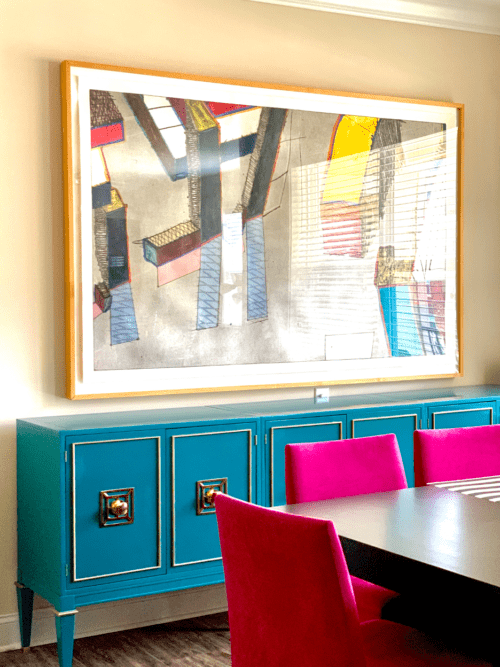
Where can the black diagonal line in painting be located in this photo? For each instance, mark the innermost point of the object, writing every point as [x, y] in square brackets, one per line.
[290, 139]
[284, 175]
[386, 139]
[278, 178]
[158, 144]
[276, 208]
[254, 158]
[264, 164]
[204, 184]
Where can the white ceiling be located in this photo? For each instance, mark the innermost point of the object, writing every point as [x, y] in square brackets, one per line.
[472, 15]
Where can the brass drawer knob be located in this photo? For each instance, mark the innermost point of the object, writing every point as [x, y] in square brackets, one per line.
[210, 496]
[118, 507]
[206, 490]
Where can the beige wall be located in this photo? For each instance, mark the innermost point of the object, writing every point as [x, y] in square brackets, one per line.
[228, 38]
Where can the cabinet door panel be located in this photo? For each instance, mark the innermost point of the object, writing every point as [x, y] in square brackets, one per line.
[463, 414]
[206, 457]
[290, 431]
[106, 541]
[402, 424]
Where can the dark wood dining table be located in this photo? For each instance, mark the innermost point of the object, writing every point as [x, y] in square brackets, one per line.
[421, 541]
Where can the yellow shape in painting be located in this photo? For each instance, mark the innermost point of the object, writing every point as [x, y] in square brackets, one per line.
[116, 201]
[351, 149]
[202, 118]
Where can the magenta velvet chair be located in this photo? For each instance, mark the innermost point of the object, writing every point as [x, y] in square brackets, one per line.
[322, 470]
[447, 454]
[290, 599]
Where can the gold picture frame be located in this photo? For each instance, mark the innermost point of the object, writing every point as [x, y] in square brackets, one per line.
[224, 235]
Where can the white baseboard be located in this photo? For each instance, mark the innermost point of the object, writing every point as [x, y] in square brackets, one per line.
[99, 619]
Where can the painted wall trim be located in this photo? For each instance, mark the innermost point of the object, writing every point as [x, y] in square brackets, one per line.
[126, 614]
[479, 16]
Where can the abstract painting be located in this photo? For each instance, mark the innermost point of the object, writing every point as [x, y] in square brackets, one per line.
[226, 235]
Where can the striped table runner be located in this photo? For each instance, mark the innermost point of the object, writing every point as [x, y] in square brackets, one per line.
[480, 487]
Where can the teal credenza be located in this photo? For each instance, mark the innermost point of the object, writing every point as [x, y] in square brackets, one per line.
[115, 506]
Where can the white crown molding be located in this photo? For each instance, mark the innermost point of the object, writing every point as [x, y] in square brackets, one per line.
[470, 15]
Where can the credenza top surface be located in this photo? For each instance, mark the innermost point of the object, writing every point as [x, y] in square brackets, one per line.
[234, 411]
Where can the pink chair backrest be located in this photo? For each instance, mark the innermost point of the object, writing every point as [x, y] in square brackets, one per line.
[321, 470]
[289, 593]
[447, 454]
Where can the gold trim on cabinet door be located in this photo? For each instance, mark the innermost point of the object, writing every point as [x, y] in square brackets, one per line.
[248, 431]
[76, 579]
[370, 419]
[271, 449]
[451, 412]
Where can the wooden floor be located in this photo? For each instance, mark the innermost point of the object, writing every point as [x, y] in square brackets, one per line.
[195, 642]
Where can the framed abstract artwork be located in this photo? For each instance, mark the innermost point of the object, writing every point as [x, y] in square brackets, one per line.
[226, 235]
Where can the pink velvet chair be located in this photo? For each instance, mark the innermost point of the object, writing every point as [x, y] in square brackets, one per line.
[321, 470]
[447, 454]
[290, 599]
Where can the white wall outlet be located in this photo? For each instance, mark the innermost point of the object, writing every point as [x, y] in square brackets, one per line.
[321, 395]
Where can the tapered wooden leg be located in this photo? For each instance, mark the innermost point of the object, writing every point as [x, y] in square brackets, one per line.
[65, 628]
[25, 606]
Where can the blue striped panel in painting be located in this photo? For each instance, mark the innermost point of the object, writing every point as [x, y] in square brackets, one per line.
[256, 270]
[123, 322]
[209, 284]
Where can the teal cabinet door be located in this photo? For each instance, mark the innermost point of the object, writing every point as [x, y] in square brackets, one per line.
[282, 432]
[116, 506]
[204, 458]
[402, 423]
[462, 414]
